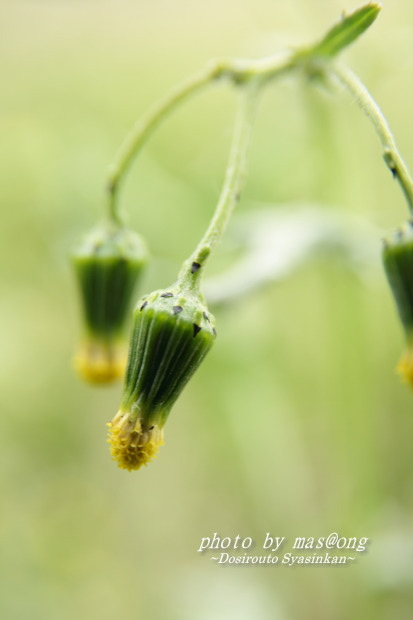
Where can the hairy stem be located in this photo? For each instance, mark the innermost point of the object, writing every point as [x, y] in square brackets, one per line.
[146, 126]
[231, 190]
[369, 106]
[236, 71]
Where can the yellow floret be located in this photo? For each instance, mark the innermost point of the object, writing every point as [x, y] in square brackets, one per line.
[132, 445]
[100, 363]
[405, 367]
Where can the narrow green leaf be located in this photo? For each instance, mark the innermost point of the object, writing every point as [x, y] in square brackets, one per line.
[347, 30]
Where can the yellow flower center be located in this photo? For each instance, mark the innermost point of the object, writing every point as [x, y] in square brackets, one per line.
[132, 445]
[100, 363]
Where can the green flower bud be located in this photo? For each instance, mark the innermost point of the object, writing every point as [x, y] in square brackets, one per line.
[398, 264]
[172, 332]
[108, 263]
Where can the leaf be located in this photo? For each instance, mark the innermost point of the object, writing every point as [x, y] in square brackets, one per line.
[346, 31]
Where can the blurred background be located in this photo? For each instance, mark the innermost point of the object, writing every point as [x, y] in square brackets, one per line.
[296, 423]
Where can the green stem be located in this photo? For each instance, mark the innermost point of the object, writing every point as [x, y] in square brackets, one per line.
[146, 126]
[369, 106]
[191, 271]
[237, 71]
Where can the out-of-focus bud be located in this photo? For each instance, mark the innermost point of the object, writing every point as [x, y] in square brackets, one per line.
[398, 264]
[172, 332]
[108, 264]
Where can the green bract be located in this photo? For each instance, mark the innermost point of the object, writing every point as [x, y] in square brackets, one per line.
[347, 30]
[172, 332]
[398, 264]
[108, 263]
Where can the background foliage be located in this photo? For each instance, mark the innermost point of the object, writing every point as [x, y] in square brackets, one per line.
[296, 424]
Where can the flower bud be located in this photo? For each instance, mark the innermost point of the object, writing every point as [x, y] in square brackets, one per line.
[172, 332]
[108, 264]
[398, 264]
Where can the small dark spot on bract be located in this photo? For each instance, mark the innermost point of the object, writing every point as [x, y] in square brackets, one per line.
[177, 309]
[143, 305]
[197, 329]
[206, 316]
[195, 267]
[151, 428]
[215, 331]
[166, 295]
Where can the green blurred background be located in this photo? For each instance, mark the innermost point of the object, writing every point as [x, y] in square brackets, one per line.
[296, 424]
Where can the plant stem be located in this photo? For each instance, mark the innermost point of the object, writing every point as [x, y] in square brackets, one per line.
[146, 126]
[369, 106]
[237, 71]
[231, 190]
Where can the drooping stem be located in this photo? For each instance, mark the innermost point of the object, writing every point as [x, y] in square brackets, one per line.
[369, 106]
[237, 71]
[231, 190]
[146, 126]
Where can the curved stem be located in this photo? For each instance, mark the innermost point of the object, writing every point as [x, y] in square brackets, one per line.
[241, 71]
[366, 102]
[191, 271]
[146, 126]
[238, 71]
